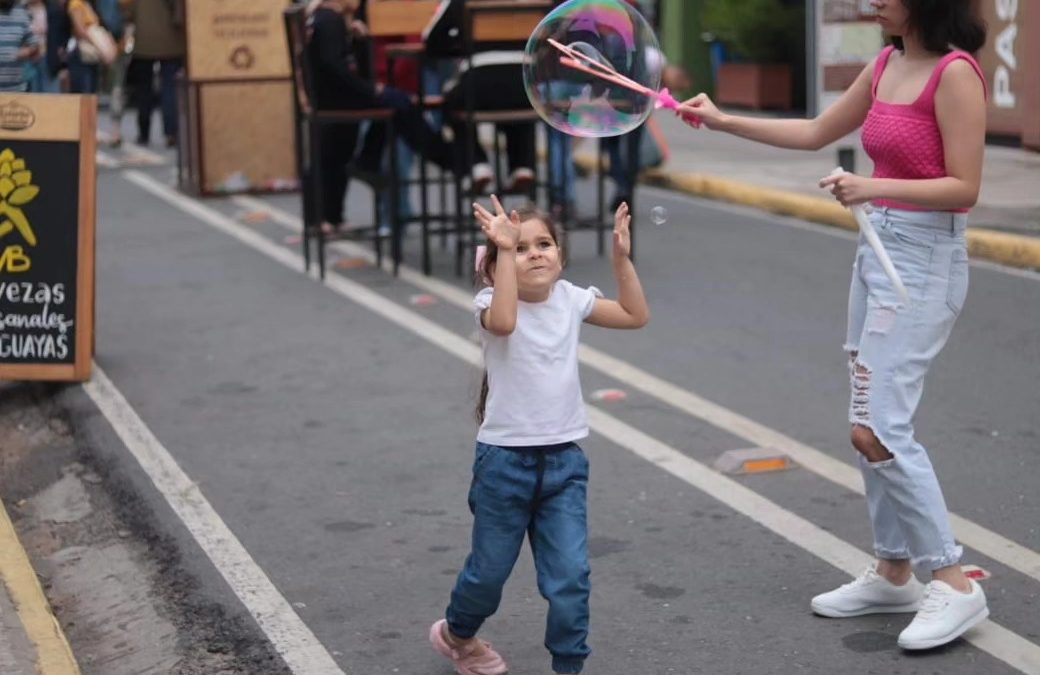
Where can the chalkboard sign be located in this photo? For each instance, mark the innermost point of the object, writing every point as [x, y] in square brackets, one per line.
[47, 204]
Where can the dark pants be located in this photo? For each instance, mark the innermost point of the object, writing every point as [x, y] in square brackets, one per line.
[540, 493]
[83, 77]
[142, 76]
[337, 150]
[499, 87]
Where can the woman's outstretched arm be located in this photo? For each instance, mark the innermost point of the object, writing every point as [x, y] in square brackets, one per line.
[839, 120]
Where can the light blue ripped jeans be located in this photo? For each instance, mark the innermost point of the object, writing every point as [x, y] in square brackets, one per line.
[891, 346]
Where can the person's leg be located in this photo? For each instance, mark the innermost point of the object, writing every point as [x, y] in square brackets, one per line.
[405, 158]
[337, 148]
[890, 544]
[117, 104]
[897, 347]
[81, 75]
[891, 345]
[168, 69]
[624, 164]
[564, 176]
[143, 77]
[500, 500]
[33, 77]
[559, 541]
[520, 150]
[899, 344]
[465, 135]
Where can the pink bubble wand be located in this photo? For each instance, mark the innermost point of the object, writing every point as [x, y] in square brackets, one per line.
[582, 62]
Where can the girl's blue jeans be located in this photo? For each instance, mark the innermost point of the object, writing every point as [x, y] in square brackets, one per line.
[539, 492]
[891, 346]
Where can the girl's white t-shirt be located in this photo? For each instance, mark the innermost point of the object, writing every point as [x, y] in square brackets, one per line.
[534, 395]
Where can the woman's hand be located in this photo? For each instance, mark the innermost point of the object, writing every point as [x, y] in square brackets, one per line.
[501, 230]
[850, 189]
[701, 110]
[622, 235]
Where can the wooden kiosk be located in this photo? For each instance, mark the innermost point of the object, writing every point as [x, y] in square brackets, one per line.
[47, 211]
[235, 99]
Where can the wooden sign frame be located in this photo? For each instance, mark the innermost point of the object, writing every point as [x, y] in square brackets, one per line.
[53, 121]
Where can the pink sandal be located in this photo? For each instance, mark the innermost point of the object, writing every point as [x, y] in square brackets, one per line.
[464, 660]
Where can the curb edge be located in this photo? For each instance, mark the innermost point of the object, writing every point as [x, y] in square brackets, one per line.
[53, 654]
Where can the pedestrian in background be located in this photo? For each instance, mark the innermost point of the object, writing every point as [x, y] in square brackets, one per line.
[922, 106]
[89, 45]
[117, 72]
[37, 74]
[18, 46]
[158, 43]
[530, 477]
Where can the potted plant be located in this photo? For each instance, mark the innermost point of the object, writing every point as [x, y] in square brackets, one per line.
[763, 38]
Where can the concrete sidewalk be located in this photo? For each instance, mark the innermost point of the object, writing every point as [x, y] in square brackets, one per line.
[1005, 225]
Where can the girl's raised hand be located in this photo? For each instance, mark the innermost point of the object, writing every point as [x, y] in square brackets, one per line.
[622, 235]
[501, 230]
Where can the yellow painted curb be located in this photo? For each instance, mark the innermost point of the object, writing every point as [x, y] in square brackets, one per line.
[1000, 247]
[53, 654]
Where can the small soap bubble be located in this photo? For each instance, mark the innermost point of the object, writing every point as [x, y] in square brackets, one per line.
[610, 33]
[658, 215]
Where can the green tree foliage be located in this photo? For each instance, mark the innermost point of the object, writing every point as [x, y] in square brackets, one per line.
[762, 31]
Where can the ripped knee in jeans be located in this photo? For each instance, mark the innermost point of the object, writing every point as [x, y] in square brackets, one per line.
[864, 436]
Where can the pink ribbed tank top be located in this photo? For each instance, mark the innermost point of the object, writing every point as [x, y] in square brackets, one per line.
[904, 139]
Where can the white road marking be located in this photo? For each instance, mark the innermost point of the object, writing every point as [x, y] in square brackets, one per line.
[983, 540]
[302, 651]
[989, 636]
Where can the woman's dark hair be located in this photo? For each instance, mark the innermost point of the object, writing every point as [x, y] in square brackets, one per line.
[942, 24]
[485, 276]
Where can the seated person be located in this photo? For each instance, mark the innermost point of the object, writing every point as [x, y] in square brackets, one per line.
[338, 85]
[497, 83]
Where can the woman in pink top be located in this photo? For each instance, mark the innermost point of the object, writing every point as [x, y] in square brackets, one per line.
[922, 106]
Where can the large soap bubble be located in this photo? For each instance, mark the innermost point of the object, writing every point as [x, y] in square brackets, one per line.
[576, 101]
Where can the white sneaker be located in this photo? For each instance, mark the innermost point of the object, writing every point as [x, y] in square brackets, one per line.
[944, 616]
[480, 177]
[869, 593]
[521, 180]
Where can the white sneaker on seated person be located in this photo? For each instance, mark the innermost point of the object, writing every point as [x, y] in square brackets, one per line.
[520, 180]
[480, 177]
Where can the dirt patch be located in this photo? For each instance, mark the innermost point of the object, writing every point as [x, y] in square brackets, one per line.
[115, 583]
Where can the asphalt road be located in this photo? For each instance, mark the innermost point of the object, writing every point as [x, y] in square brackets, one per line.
[336, 444]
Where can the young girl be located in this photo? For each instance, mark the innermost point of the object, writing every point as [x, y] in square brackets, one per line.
[530, 476]
[922, 105]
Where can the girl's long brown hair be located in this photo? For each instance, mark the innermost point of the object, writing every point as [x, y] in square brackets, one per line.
[485, 276]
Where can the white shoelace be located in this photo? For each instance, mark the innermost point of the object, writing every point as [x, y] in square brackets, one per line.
[933, 603]
[869, 576]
